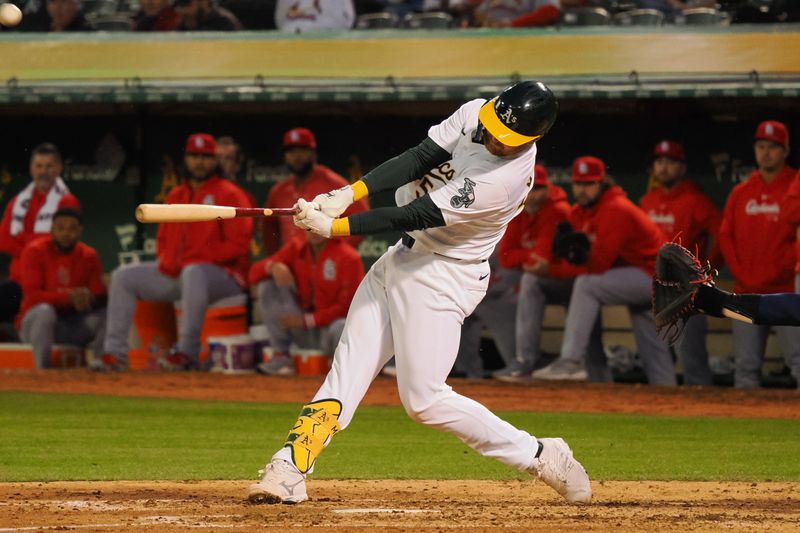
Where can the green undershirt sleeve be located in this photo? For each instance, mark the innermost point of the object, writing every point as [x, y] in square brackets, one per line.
[422, 213]
[409, 166]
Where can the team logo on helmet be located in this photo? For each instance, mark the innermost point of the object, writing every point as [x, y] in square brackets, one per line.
[508, 116]
[465, 196]
[769, 129]
[583, 168]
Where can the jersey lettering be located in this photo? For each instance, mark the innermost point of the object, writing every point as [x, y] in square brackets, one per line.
[437, 176]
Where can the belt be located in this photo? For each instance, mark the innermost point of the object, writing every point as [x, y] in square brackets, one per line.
[408, 241]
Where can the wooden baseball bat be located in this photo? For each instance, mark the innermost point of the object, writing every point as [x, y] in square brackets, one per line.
[202, 213]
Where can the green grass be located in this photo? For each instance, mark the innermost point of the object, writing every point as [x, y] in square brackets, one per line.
[72, 437]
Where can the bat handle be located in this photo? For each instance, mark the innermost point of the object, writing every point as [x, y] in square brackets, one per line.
[265, 212]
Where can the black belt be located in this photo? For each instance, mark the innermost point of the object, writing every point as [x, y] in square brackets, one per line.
[408, 241]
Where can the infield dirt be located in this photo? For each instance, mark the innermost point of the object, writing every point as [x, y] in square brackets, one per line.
[394, 505]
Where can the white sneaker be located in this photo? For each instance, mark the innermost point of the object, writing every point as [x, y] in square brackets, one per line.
[556, 467]
[280, 483]
[562, 370]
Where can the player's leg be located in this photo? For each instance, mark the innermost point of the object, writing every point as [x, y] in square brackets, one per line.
[789, 340]
[130, 283]
[499, 314]
[528, 323]
[428, 300]
[38, 329]
[749, 343]
[364, 347]
[201, 284]
[692, 351]
[275, 302]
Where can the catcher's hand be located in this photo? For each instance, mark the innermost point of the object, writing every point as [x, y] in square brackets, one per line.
[574, 246]
[678, 276]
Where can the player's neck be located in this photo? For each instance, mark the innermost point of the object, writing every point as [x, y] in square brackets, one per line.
[769, 174]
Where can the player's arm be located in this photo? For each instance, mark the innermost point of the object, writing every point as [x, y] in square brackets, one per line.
[411, 165]
[422, 213]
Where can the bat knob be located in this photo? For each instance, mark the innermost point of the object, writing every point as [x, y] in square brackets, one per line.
[140, 214]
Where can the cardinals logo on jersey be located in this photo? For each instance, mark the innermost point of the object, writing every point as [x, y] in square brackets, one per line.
[465, 196]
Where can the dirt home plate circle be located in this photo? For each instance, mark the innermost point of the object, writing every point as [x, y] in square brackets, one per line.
[10, 15]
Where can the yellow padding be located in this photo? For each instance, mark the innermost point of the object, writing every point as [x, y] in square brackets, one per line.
[359, 190]
[340, 227]
[317, 423]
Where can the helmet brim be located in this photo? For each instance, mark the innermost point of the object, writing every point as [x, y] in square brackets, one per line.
[501, 132]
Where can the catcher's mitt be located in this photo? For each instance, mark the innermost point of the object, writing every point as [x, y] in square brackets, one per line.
[678, 275]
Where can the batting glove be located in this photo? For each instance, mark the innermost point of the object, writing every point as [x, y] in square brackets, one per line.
[336, 202]
[311, 219]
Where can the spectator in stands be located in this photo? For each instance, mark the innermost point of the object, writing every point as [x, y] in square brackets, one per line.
[203, 15]
[307, 179]
[156, 15]
[496, 311]
[29, 216]
[759, 250]
[617, 271]
[64, 293]
[517, 13]
[198, 263]
[304, 292]
[56, 16]
[527, 247]
[687, 215]
[300, 16]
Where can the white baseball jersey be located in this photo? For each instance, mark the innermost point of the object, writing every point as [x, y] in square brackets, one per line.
[477, 192]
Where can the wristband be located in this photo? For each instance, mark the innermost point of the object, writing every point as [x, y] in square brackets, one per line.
[359, 190]
[340, 227]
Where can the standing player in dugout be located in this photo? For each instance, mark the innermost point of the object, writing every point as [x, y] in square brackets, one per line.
[414, 299]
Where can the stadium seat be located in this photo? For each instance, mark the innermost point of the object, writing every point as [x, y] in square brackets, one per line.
[100, 7]
[428, 21]
[702, 16]
[639, 17]
[589, 16]
[377, 21]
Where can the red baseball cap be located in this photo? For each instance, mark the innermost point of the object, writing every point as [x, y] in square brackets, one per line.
[540, 177]
[299, 137]
[673, 150]
[587, 169]
[201, 143]
[772, 130]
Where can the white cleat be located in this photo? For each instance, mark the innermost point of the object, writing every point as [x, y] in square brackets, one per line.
[556, 467]
[280, 483]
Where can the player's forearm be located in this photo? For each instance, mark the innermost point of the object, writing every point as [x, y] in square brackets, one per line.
[406, 167]
[419, 214]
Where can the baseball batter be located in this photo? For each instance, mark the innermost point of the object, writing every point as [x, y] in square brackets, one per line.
[413, 301]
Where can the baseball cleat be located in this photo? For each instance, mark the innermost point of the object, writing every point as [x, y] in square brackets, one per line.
[558, 468]
[281, 482]
[279, 365]
[107, 363]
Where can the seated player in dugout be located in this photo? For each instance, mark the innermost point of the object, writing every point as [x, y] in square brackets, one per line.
[614, 268]
[304, 291]
[64, 295]
[308, 179]
[527, 247]
[29, 216]
[678, 206]
[758, 239]
[413, 301]
[198, 263]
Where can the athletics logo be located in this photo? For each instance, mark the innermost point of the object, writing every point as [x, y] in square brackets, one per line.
[465, 196]
[508, 117]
